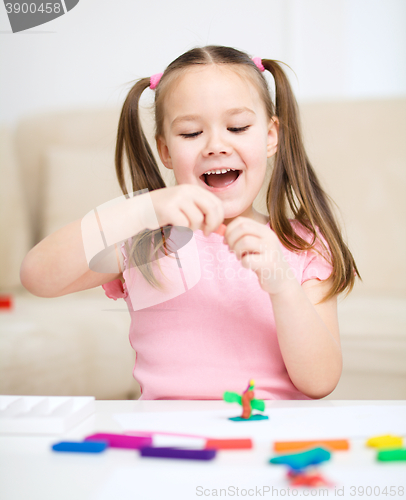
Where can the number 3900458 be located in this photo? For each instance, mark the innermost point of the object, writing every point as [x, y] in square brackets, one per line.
[24, 8]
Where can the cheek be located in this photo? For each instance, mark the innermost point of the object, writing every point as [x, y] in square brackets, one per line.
[257, 154]
[256, 146]
[183, 163]
[181, 150]
[188, 149]
[258, 162]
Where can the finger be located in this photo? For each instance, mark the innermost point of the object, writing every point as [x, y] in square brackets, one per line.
[244, 227]
[251, 261]
[193, 214]
[247, 245]
[212, 208]
[180, 219]
[213, 220]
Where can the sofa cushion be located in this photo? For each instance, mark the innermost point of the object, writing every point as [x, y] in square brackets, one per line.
[358, 149]
[76, 181]
[84, 128]
[373, 340]
[14, 239]
[74, 345]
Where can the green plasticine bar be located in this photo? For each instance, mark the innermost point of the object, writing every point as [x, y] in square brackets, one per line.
[392, 455]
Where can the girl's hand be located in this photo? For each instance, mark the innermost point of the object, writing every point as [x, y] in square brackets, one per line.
[258, 248]
[189, 206]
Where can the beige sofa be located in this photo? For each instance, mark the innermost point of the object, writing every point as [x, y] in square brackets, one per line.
[56, 167]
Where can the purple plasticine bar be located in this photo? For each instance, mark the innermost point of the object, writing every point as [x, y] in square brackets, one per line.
[178, 453]
[121, 440]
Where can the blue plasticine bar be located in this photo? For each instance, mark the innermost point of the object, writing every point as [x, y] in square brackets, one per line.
[178, 453]
[299, 461]
[81, 446]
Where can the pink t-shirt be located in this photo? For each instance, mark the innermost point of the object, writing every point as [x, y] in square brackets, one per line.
[218, 334]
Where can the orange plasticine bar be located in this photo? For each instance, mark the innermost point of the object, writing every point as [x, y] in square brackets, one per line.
[333, 444]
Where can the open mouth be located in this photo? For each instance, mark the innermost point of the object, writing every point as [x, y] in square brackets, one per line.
[222, 179]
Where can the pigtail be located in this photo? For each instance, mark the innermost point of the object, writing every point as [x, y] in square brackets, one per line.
[132, 145]
[294, 185]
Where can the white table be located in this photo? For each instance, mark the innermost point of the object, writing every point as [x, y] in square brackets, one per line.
[29, 470]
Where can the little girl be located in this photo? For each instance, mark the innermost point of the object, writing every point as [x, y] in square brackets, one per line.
[259, 302]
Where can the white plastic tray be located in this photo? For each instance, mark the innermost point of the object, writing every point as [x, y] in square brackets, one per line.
[43, 414]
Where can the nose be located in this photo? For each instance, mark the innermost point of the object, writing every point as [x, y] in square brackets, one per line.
[216, 145]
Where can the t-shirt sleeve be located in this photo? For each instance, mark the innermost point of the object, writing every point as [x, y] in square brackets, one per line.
[116, 289]
[316, 266]
[317, 261]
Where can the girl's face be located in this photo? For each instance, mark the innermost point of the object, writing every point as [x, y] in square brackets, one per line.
[215, 121]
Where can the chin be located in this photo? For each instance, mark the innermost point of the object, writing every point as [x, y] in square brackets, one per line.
[232, 214]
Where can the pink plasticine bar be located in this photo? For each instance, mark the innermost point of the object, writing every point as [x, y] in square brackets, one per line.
[221, 229]
[122, 440]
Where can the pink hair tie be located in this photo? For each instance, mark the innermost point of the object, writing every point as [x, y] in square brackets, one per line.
[258, 63]
[154, 80]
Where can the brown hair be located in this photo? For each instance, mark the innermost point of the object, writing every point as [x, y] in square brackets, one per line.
[294, 190]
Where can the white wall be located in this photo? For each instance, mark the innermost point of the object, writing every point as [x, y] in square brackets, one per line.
[339, 49]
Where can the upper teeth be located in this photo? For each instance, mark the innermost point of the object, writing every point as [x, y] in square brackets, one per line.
[222, 171]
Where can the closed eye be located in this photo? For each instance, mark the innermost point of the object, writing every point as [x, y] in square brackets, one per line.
[235, 130]
[189, 136]
[238, 129]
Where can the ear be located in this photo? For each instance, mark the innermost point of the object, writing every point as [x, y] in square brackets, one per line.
[163, 152]
[273, 134]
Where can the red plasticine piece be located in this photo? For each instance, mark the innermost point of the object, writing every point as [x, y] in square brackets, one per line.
[6, 302]
[311, 479]
[229, 444]
[221, 229]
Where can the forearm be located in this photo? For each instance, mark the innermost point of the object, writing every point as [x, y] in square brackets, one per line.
[62, 262]
[311, 354]
[55, 262]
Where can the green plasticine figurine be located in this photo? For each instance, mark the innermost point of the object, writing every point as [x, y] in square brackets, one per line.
[248, 403]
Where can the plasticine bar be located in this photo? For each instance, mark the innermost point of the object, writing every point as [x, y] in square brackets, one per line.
[392, 455]
[387, 441]
[228, 444]
[121, 440]
[299, 461]
[178, 453]
[221, 229]
[81, 447]
[332, 444]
